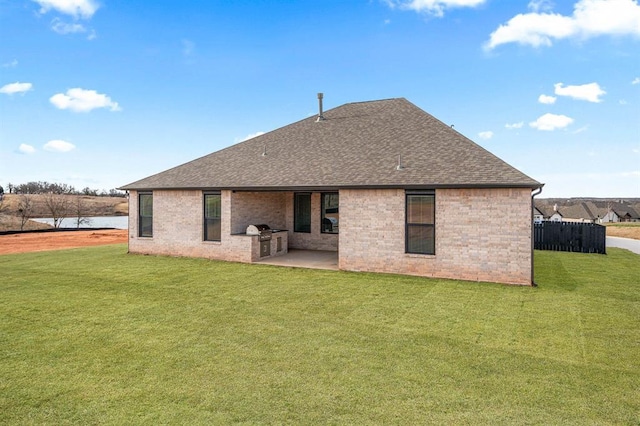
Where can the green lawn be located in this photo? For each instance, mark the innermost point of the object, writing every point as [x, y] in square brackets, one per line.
[97, 336]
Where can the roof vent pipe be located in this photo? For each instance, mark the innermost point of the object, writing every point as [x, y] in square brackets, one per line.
[320, 116]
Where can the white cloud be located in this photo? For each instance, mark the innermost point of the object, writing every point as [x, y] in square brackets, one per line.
[636, 80]
[545, 99]
[250, 136]
[11, 64]
[591, 18]
[433, 7]
[77, 8]
[17, 87]
[486, 135]
[64, 28]
[540, 5]
[26, 149]
[58, 145]
[533, 29]
[514, 125]
[551, 122]
[587, 92]
[81, 100]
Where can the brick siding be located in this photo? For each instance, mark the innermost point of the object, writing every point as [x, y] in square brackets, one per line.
[481, 234]
[178, 225]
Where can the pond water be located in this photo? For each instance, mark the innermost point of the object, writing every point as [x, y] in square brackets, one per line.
[118, 222]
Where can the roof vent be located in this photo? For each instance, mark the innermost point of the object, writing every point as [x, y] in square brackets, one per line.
[320, 116]
[399, 166]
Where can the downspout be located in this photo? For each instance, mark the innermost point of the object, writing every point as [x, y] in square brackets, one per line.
[533, 233]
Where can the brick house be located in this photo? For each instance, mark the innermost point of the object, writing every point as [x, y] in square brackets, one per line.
[384, 184]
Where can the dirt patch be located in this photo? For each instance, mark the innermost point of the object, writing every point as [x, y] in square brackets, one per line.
[631, 230]
[43, 241]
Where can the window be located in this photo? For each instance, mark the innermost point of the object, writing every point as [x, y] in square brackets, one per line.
[302, 212]
[145, 214]
[330, 215]
[420, 223]
[212, 217]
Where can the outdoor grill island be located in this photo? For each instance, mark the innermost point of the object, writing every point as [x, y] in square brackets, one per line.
[267, 242]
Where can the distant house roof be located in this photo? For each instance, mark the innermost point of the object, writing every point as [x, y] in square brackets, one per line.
[625, 212]
[546, 210]
[357, 145]
[578, 211]
[622, 210]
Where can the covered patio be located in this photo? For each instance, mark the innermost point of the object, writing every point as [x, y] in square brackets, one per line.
[312, 259]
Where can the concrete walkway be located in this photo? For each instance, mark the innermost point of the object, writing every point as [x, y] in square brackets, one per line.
[625, 243]
[313, 259]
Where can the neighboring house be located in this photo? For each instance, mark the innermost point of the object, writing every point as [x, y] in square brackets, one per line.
[387, 186]
[629, 216]
[610, 216]
[538, 216]
[624, 214]
[549, 213]
[580, 212]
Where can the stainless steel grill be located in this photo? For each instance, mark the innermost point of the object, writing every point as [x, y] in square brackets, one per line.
[262, 231]
[264, 234]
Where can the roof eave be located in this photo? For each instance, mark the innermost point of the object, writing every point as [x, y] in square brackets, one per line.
[311, 188]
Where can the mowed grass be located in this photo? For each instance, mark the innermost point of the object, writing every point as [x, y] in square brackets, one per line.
[97, 336]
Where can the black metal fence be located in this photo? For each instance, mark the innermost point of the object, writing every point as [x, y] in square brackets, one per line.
[570, 236]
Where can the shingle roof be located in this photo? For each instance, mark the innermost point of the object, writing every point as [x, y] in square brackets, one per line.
[546, 210]
[578, 211]
[357, 145]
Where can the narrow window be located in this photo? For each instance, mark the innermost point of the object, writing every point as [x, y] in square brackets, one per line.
[212, 217]
[302, 212]
[145, 214]
[420, 223]
[330, 214]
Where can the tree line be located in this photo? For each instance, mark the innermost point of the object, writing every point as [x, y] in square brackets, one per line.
[44, 187]
[60, 200]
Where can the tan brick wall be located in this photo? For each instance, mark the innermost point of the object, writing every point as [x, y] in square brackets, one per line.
[481, 234]
[315, 240]
[178, 225]
[251, 208]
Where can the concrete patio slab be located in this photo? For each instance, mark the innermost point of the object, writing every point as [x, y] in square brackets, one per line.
[312, 259]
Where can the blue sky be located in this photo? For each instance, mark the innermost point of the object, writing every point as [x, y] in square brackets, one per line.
[102, 93]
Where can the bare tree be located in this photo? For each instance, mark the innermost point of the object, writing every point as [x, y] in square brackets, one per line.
[3, 206]
[59, 206]
[25, 208]
[89, 191]
[80, 212]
